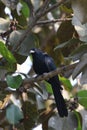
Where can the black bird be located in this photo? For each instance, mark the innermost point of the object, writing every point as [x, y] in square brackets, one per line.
[43, 63]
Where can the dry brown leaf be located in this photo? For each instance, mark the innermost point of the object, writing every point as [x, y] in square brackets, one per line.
[6, 101]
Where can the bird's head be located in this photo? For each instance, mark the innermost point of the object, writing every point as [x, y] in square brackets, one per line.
[35, 51]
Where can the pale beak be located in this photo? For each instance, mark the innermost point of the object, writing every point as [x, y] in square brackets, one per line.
[32, 51]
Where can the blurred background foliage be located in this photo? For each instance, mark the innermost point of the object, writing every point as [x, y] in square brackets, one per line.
[56, 27]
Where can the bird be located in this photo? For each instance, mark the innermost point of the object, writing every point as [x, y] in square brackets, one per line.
[43, 63]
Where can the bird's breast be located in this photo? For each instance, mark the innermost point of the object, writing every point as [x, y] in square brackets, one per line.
[39, 66]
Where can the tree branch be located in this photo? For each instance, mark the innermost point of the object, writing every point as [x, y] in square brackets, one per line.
[33, 21]
[46, 76]
[44, 5]
[52, 21]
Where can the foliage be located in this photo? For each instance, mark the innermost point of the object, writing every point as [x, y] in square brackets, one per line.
[14, 81]
[6, 53]
[14, 114]
[50, 26]
[82, 98]
[79, 120]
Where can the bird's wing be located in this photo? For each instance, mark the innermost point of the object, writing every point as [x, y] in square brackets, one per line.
[49, 63]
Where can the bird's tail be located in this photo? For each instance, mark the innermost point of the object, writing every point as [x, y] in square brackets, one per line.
[60, 102]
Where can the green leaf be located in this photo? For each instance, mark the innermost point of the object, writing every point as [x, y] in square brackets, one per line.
[48, 87]
[82, 98]
[25, 9]
[66, 9]
[66, 83]
[14, 81]
[6, 53]
[14, 114]
[79, 120]
[22, 21]
[67, 43]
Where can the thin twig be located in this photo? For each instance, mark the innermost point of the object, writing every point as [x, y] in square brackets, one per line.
[44, 5]
[52, 21]
[54, 7]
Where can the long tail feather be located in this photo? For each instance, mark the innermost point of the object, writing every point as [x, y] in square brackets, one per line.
[60, 102]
